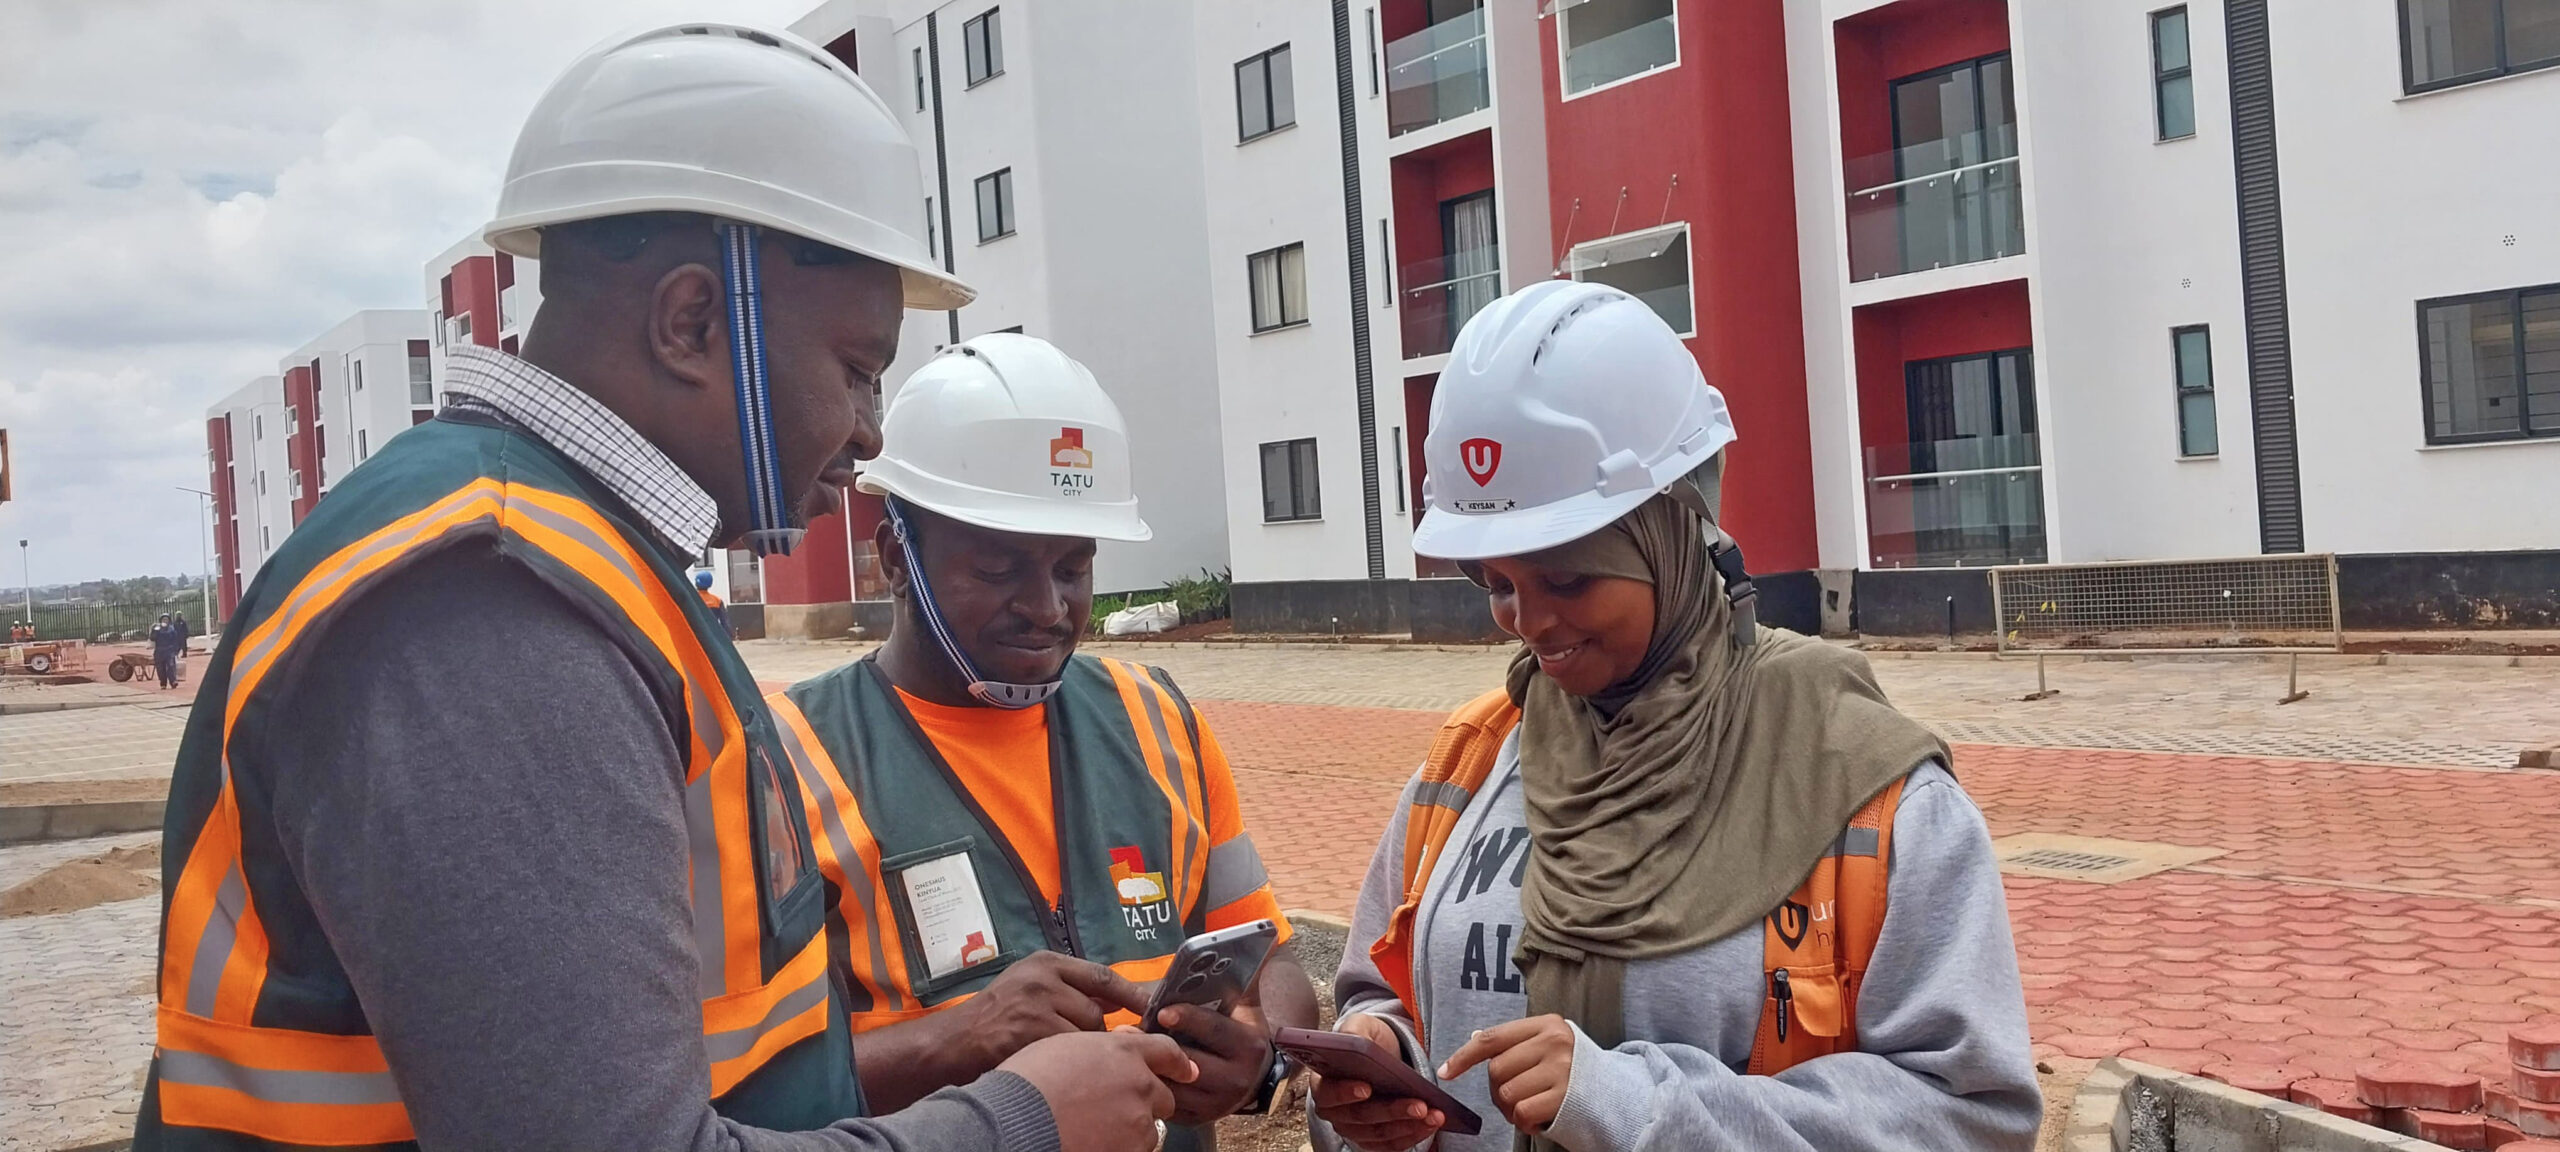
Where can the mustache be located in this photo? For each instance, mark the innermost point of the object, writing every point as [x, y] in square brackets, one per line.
[1050, 636]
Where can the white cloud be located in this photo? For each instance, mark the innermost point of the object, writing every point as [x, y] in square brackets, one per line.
[189, 191]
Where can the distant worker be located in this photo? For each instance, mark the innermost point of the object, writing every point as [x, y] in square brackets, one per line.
[167, 642]
[178, 620]
[1089, 802]
[483, 840]
[20, 631]
[711, 599]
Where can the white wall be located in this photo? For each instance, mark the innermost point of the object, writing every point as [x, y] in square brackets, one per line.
[1285, 188]
[2132, 237]
[1822, 266]
[378, 338]
[2389, 200]
[258, 444]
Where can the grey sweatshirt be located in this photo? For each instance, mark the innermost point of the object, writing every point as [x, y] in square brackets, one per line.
[480, 793]
[1943, 1061]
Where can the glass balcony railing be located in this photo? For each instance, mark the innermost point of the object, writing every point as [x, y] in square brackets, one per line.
[1977, 500]
[1440, 295]
[1437, 74]
[1631, 51]
[508, 317]
[1958, 209]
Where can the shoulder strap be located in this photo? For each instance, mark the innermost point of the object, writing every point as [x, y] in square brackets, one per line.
[1461, 756]
[1816, 944]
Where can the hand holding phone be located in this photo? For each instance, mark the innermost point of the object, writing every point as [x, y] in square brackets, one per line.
[1213, 970]
[1368, 1093]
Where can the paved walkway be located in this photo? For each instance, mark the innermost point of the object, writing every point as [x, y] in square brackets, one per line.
[2357, 909]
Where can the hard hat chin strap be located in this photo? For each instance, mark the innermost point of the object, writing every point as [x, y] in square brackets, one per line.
[993, 693]
[1702, 492]
[769, 528]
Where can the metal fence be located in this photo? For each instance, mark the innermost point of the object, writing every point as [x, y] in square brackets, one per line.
[2255, 604]
[95, 622]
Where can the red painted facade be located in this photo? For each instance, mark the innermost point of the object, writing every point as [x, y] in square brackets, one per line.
[1719, 123]
[302, 446]
[1877, 47]
[1990, 318]
[471, 289]
[226, 512]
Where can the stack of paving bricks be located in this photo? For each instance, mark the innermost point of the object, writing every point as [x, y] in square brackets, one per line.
[2431, 1103]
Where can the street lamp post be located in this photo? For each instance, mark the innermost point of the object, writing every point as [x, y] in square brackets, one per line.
[204, 553]
[30, 573]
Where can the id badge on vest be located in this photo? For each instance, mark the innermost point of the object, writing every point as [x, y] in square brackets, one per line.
[943, 909]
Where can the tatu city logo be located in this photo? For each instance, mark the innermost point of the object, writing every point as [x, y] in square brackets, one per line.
[1070, 463]
[1142, 895]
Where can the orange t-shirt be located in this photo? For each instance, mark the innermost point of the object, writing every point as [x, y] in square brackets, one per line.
[1002, 757]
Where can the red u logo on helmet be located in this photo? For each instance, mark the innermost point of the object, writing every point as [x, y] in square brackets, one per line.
[1482, 457]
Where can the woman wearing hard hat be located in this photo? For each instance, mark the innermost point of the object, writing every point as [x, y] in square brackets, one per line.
[1684, 881]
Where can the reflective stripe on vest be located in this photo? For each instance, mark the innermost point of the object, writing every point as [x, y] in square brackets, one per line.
[219, 1070]
[1822, 935]
[847, 726]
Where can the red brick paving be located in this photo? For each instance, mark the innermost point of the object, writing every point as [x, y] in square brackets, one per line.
[2384, 914]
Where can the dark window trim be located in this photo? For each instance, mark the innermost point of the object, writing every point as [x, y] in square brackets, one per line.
[919, 66]
[2524, 387]
[1297, 484]
[1893, 89]
[2160, 78]
[1270, 105]
[1004, 204]
[1282, 304]
[970, 31]
[2179, 389]
[2498, 28]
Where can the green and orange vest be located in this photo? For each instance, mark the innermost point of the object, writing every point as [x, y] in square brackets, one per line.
[262, 1041]
[1814, 946]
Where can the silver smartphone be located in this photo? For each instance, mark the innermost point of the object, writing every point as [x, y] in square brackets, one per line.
[1214, 970]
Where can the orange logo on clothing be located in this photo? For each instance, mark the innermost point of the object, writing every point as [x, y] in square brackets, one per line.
[1130, 878]
[1068, 450]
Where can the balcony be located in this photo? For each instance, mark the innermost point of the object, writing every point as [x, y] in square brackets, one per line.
[1958, 210]
[1437, 75]
[422, 385]
[1441, 294]
[1973, 501]
[508, 317]
[1606, 41]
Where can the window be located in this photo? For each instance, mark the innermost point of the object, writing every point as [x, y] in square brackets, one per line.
[266, 543]
[984, 38]
[1289, 482]
[2172, 75]
[258, 426]
[1606, 41]
[2449, 42]
[1265, 101]
[292, 420]
[355, 369]
[422, 386]
[2492, 365]
[1373, 52]
[363, 449]
[1652, 266]
[1279, 286]
[294, 491]
[932, 230]
[2193, 349]
[262, 482]
[1395, 440]
[995, 205]
[919, 60]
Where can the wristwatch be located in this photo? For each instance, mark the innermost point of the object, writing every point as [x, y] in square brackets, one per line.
[1273, 1079]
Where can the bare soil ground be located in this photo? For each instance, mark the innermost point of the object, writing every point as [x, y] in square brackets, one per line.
[110, 876]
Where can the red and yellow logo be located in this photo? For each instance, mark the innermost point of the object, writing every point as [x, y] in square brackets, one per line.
[1068, 450]
[976, 950]
[1130, 878]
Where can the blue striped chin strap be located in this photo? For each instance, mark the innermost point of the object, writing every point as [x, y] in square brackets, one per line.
[769, 528]
[991, 692]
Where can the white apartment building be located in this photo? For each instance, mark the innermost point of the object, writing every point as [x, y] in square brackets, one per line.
[1060, 141]
[476, 294]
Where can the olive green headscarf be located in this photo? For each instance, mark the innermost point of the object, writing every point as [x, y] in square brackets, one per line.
[1683, 804]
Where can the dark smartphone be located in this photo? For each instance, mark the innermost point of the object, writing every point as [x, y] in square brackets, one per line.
[1357, 1058]
[1213, 970]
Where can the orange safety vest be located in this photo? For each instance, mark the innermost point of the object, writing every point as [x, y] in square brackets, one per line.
[1814, 946]
[710, 599]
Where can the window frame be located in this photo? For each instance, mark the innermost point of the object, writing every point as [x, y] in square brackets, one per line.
[918, 61]
[2523, 384]
[983, 35]
[1309, 485]
[2409, 84]
[1270, 105]
[2180, 388]
[1003, 178]
[1688, 238]
[1564, 79]
[1279, 254]
[2161, 76]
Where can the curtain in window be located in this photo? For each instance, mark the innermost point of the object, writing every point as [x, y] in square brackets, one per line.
[1474, 258]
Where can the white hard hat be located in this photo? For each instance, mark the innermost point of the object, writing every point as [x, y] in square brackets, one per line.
[1006, 432]
[1564, 405]
[744, 124]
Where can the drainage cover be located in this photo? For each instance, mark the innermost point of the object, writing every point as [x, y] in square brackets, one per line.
[2092, 859]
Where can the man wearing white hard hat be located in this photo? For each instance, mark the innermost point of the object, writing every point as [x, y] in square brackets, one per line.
[483, 839]
[1706, 888]
[1017, 834]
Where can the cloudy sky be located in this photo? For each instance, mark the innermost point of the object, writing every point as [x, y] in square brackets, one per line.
[191, 190]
